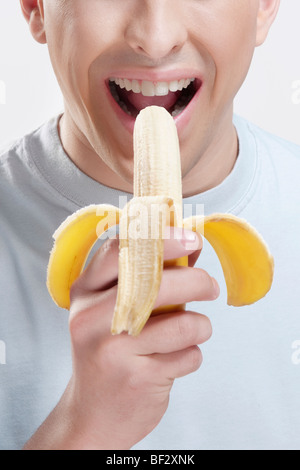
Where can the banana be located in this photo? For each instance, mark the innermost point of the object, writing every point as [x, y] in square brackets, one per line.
[73, 241]
[246, 261]
[158, 195]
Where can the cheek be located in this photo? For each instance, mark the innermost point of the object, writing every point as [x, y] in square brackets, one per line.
[77, 42]
[232, 54]
[76, 39]
[225, 32]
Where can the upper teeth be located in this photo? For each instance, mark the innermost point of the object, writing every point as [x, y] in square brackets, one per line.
[148, 88]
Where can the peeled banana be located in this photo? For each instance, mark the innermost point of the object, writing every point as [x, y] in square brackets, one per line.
[156, 204]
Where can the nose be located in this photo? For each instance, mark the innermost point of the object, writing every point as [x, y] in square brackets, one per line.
[156, 29]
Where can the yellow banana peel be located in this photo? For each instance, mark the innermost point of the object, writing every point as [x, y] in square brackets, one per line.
[157, 203]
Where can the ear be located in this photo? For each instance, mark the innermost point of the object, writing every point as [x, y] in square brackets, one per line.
[33, 11]
[267, 11]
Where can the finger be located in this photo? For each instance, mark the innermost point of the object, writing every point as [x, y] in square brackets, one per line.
[192, 259]
[91, 312]
[180, 242]
[172, 332]
[180, 285]
[102, 271]
[176, 364]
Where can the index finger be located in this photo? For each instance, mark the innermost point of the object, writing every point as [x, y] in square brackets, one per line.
[102, 271]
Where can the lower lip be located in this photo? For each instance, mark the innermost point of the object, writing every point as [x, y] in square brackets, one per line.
[181, 120]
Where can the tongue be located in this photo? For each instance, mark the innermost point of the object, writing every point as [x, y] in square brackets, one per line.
[139, 102]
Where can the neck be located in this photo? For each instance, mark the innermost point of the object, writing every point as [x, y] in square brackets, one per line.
[216, 163]
[83, 155]
[217, 159]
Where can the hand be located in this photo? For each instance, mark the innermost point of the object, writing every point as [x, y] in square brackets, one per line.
[120, 386]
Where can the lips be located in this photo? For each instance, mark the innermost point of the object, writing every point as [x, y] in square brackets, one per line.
[129, 96]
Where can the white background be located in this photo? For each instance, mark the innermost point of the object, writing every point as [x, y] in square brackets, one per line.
[32, 94]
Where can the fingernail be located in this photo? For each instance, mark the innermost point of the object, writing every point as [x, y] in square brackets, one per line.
[187, 238]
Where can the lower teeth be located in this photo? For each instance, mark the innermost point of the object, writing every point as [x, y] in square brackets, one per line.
[177, 110]
[124, 107]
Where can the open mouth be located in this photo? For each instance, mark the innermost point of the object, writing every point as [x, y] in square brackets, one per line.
[134, 95]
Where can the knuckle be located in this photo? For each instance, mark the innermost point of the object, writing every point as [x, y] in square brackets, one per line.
[191, 360]
[77, 326]
[108, 354]
[135, 382]
[114, 358]
[204, 279]
[74, 290]
[81, 320]
[206, 329]
[195, 358]
[185, 328]
[138, 379]
[194, 328]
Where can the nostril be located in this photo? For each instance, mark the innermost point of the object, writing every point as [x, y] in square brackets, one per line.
[157, 42]
[141, 50]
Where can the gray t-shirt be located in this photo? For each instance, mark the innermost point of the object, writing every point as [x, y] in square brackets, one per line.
[246, 394]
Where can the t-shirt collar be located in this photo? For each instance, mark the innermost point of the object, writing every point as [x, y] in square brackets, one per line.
[66, 178]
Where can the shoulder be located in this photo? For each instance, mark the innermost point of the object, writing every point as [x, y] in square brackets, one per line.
[277, 148]
[277, 156]
[8, 150]
[17, 168]
[19, 156]
[12, 166]
[14, 155]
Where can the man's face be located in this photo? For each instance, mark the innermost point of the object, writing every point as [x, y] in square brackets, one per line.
[190, 56]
